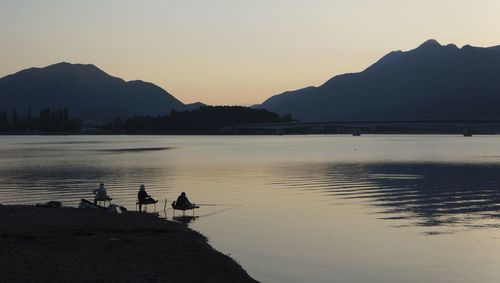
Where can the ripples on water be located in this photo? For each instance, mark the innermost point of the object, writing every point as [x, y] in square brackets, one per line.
[440, 184]
[427, 193]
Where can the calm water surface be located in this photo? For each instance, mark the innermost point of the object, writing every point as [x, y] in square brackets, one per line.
[295, 208]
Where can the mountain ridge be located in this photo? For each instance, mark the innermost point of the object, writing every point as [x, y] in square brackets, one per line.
[86, 90]
[432, 81]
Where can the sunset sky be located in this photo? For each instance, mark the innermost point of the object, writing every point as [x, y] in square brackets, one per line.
[233, 52]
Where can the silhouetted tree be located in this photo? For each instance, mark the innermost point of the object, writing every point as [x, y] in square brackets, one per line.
[14, 117]
[208, 119]
[3, 120]
[48, 120]
[65, 114]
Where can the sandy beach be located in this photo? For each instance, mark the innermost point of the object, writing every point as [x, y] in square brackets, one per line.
[75, 245]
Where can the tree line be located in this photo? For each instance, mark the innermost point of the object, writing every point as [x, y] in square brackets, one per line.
[47, 120]
[206, 119]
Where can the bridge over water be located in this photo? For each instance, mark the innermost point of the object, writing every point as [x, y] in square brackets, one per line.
[465, 126]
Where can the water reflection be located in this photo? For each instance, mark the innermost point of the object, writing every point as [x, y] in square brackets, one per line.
[294, 209]
[140, 149]
[69, 181]
[427, 194]
[424, 194]
[186, 219]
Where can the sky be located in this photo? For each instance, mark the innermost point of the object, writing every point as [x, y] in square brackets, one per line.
[231, 52]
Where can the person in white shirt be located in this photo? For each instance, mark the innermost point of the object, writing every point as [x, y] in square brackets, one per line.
[101, 194]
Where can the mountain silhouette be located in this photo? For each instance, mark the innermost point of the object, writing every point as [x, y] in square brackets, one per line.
[88, 92]
[430, 82]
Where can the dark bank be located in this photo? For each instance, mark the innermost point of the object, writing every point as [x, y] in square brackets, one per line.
[74, 245]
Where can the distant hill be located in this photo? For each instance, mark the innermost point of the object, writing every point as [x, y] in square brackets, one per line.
[195, 106]
[496, 48]
[87, 91]
[430, 82]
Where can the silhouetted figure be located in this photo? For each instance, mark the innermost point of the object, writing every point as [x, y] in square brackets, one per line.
[182, 201]
[101, 194]
[144, 198]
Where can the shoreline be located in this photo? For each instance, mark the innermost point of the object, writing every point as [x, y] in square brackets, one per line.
[292, 132]
[77, 245]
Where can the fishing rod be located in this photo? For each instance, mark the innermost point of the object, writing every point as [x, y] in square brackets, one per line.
[218, 204]
[219, 211]
[207, 214]
[229, 207]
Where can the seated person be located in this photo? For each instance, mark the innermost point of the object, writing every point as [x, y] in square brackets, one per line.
[101, 194]
[144, 198]
[182, 202]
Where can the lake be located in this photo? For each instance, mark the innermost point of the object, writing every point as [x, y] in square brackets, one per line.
[385, 208]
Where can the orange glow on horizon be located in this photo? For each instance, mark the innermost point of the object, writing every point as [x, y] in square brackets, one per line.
[228, 52]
